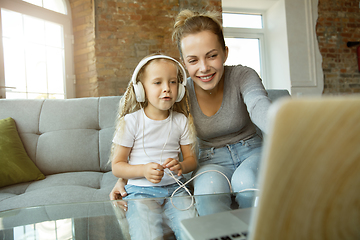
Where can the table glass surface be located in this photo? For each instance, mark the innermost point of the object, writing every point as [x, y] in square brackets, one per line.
[88, 220]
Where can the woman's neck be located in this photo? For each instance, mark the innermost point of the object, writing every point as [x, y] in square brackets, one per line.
[217, 90]
[210, 101]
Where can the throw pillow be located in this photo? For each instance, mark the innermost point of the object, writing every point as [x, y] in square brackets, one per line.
[15, 164]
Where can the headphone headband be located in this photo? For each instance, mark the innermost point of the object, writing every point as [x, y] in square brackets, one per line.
[146, 60]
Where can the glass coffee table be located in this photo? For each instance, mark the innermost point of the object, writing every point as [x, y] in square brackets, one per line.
[90, 220]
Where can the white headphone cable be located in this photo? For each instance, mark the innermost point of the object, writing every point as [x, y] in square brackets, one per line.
[192, 197]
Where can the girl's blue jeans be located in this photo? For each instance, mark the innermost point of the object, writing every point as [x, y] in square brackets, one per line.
[240, 163]
[146, 216]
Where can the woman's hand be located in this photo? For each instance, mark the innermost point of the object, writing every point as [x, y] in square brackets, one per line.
[118, 191]
[153, 172]
[173, 165]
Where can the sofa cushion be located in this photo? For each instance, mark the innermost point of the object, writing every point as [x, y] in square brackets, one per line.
[108, 109]
[79, 113]
[69, 136]
[68, 151]
[16, 166]
[60, 188]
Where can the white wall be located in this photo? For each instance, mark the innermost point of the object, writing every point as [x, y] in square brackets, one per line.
[304, 56]
[276, 46]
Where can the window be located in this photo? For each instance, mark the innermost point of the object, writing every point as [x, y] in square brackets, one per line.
[36, 54]
[54, 5]
[289, 53]
[245, 39]
[238, 20]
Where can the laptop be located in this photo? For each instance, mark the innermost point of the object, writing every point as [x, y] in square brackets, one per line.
[309, 177]
[228, 225]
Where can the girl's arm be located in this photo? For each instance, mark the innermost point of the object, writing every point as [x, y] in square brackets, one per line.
[153, 172]
[187, 165]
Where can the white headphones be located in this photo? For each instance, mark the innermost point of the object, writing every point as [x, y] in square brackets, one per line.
[138, 87]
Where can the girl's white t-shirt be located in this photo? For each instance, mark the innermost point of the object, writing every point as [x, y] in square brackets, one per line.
[153, 141]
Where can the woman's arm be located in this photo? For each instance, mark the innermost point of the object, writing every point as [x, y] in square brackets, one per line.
[255, 97]
[153, 172]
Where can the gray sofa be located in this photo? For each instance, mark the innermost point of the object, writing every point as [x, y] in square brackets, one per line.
[69, 141]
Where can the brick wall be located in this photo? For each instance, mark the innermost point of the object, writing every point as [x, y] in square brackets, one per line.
[112, 36]
[84, 47]
[339, 23]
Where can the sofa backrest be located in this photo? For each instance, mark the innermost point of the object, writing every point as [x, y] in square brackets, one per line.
[65, 135]
[70, 135]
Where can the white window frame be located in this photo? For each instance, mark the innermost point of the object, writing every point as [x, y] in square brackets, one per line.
[231, 32]
[51, 16]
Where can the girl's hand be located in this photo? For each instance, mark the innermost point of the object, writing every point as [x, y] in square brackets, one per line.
[173, 165]
[153, 172]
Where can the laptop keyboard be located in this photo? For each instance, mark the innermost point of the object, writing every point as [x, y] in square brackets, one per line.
[234, 236]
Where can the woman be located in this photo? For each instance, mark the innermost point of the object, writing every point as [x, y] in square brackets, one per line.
[226, 102]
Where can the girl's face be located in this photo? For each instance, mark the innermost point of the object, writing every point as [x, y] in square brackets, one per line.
[204, 58]
[161, 87]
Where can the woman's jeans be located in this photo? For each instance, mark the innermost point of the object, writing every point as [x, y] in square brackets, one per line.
[145, 215]
[240, 163]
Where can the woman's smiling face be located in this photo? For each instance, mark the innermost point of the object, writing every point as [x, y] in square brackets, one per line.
[204, 58]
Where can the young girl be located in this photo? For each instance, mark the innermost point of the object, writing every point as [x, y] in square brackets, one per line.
[153, 126]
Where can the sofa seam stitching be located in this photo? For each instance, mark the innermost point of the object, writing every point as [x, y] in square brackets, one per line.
[98, 114]
[38, 130]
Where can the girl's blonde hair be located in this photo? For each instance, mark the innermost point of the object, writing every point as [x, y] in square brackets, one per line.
[190, 22]
[128, 104]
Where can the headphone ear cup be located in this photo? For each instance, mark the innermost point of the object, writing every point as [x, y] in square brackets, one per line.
[181, 92]
[139, 92]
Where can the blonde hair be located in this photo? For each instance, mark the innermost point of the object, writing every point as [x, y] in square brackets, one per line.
[190, 22]
[128, 104]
